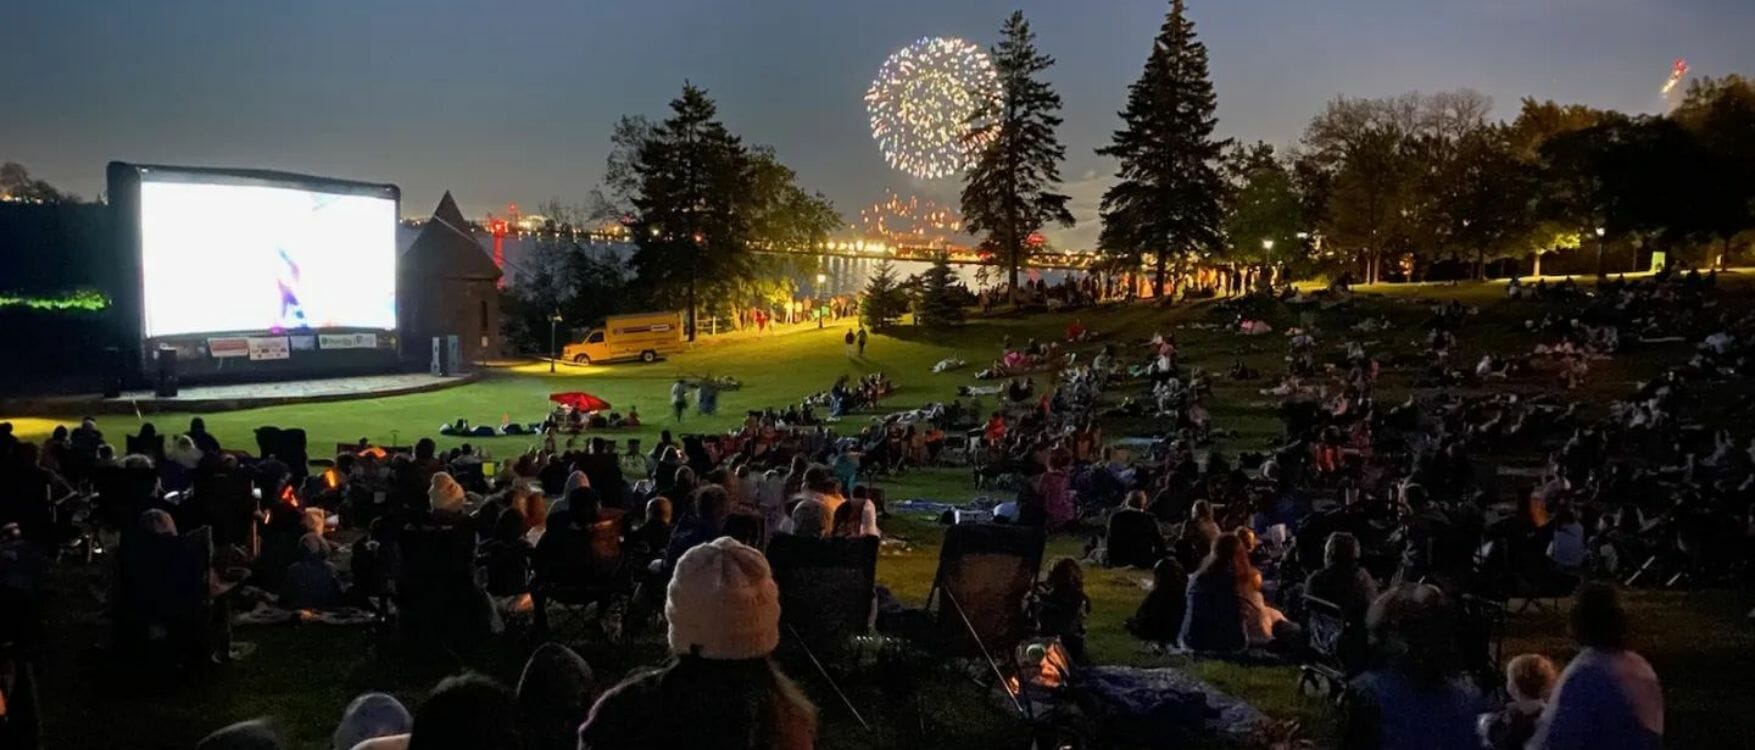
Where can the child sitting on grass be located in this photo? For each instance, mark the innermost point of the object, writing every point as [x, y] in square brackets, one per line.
[1529, 678]
[1064, 607]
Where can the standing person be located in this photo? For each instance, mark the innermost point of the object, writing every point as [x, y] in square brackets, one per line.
[724, 613]
[679, 398]
[861, 339]
[1609, 696]
[848, 339]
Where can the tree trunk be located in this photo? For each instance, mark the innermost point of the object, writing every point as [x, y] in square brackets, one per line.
[1158, 276]
[1536, 267]
[691, 308]
[1480, 265]
[1012, 272]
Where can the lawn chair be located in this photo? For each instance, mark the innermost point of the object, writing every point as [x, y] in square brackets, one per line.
[1480, 633]
[747, 528]
[438, 596]
[826, 589]
[594, 573]
[151, 446]
[1332, 641]
[985, 573]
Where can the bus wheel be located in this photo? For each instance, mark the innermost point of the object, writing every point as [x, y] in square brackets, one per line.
[648, 356]
[582, 359]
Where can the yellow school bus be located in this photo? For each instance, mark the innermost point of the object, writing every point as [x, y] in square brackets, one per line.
[641, 336]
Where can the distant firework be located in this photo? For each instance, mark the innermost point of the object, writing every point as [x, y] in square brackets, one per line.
[910, 221]
[921, 102]
[1677, 71]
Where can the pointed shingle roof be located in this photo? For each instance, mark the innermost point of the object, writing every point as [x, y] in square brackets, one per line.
[446, 249]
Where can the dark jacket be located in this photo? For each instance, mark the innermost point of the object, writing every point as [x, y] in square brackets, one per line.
[728, 705]
[1159, 618]
[1348, 586]
[1133, 539]
[1214, 619]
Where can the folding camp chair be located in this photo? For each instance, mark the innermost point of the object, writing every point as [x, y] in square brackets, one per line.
[985, 573]
[747, 528]
[437, 594]
[151, 446]
[1480, 635]
[594, 574]
[826, 588]
[1325, 670]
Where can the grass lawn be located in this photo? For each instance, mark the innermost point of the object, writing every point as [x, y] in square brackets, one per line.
[304, 675]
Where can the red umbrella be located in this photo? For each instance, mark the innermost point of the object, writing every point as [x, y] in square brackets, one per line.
[579, 400]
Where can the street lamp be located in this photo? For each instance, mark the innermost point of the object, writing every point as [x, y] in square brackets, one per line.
[554, 320]
[817, 298]
[1267, 245]
[1600, 232]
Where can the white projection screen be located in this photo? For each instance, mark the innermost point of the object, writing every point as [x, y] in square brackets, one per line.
[230, 258]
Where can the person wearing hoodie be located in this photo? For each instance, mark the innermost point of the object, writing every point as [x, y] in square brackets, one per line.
[255, 734]
[446, 499]
[723, 609]
[466, 712]
[313, 582]
[370, 716]
[554, 694]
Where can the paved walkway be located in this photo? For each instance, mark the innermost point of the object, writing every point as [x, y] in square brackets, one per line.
[239, 395]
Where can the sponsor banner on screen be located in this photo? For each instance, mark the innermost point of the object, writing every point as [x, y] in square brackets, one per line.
[234, 347]
[348, 341]
[303, 343]
[272, 347]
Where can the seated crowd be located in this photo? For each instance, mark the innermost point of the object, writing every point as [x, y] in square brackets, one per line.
[1362, 545]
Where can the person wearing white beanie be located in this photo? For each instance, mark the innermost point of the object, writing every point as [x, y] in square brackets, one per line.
[722, 603]
[445, 494]
[724, 613]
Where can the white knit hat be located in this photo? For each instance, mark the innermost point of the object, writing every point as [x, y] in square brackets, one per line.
[445, 493]
[723, 603]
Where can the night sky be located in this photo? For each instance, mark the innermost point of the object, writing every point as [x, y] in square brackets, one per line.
[513, 101]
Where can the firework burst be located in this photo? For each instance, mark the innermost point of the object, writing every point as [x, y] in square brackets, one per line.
[922, 101]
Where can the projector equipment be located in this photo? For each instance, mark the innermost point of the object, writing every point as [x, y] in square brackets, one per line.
[114, 370]
[165, 380]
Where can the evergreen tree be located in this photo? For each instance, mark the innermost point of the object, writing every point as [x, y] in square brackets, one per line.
[884, 301]
[1007, 195]
[941, 303]
[1169, 197]
[692, 218]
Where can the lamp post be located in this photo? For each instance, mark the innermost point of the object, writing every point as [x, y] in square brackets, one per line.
[1600, 232]
[554, 319]
[817, 298]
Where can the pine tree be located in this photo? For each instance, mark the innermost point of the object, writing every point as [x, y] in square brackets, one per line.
[1007, 195]
[884, 301]
[941, 303]
[692, 221]
[1169, 198]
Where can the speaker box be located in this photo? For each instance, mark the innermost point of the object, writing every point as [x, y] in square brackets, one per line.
[165, 380]
[115, 370]
[438, 360]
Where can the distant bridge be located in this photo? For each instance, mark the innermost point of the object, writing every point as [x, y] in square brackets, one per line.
[1049, 260]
